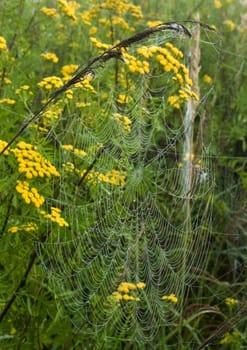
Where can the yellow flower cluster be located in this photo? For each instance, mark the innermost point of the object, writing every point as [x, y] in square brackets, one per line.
[124, 121]
[169, 58]
[69, 94]
[170, 297]
[3, 144]
[7, 101]
[49, 83]
[86, 84]
[82, 104]
[68, 166]
[76, 151]
[49, 11]
[135, 11]
[87, 17]
[53, 113]
[69, 8]
[122, 7]
[93, 30]
[230, 24]
[153, 23]
[229, 337]
[115, 21]
[31, 162]
[30, 195]
[23, 89]
[99, 44]
[125, 288]
[231, 301]
[135, 65]
[49, 117]
[118, 10]
[68, 70]
[217, 4]
[6, 80]
[113, 177]
[55, 216]
[3, 44]
[207, 79]
[49, 56]
[24, 227]
[122, 98]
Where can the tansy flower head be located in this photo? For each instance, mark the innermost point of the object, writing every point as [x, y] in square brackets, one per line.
[3, 44]
[55, 216]
[231, 301]
[230, 24]
[171, 298]
[50, 12]
[3, 144]
[7, 101]
[207, 79]
[217, 4]
[50, 57]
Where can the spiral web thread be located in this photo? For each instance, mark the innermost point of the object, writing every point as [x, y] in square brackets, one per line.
[130, 225]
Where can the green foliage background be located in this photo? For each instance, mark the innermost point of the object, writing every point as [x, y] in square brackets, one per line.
[37, 318]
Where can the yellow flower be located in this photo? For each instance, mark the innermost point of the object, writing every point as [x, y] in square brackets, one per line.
[85, 84]
[3, 44]
[25, 227]
[50, 57]
[141, 285]
[93, 30]
[122, 98]
[217, 4]
[76, 151]
[82, 104]
[69, 94]
[229, 337]
[55, 216]
[231, 301]
[229, 24]
[51, 82]
[31, 162]
[86, 17]
[8, 101]
[29, 195]
[174, 101]
[117, 296]
[3, 144]
[24, 89]
[128, 297]
[170, 297]
[52, 114]
[153, 23]
[135, 11]
[99, 44]
[69, 69]
[13, 229]
[69, 8]
[124, 121]
[207, 79]
[12, 331]
[7, 81]
[50, 12]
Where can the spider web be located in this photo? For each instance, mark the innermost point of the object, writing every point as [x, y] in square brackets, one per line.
[132, 217]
